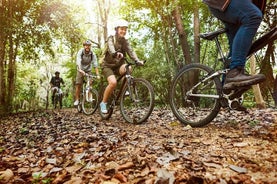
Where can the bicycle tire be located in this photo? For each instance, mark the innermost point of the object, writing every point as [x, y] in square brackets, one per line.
[90, 107]
[195, 111]
[106, 116]
[137, 111]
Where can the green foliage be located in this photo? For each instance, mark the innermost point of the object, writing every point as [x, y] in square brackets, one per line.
[43, 36]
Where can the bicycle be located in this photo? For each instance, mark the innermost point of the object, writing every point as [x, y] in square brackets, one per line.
[196, 93]
[57, 98]
[135, 96]
[88, 104]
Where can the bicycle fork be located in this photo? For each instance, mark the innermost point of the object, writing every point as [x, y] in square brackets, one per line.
[133, 93]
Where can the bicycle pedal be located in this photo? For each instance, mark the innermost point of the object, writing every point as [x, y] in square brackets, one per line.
[238, 92]
[224, 103]
[235, 105]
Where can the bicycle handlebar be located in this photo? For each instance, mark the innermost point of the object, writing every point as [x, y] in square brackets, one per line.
[90, 76]
[131, 63]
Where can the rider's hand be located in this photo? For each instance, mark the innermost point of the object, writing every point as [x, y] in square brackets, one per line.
[118, 55]
[140, 63]
[82, 72]
[98, 76]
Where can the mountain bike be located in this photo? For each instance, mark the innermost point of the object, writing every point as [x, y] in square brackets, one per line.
[134, 95]
[58, 97]
[89, 97]
[196, 93]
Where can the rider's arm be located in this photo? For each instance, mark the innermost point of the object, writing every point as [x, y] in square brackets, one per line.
[52, 82]
[95, 64]
[110, 45]
[62, 81]
[78, 61]
[130, 52]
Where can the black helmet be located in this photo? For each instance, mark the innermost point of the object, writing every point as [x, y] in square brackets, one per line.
[57, 72]
[87, 42]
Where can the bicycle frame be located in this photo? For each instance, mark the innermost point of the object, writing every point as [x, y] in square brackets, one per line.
[264, 40]
[86, 106]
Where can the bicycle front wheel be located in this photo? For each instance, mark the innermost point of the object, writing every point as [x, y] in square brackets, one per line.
[90, 105]
[137, 101]
[194, 95]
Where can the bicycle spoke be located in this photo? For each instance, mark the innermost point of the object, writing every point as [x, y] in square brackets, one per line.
[90, 103]
[137, 105]
[193, 100]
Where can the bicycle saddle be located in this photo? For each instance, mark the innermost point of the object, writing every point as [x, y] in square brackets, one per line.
[212, 35]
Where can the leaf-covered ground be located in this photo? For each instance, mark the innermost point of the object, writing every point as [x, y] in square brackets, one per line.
[68, 147]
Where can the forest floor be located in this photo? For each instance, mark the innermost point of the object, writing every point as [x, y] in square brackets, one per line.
[64, 146]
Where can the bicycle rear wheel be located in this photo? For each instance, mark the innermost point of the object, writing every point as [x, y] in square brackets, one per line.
[90, 107]
[137, 103]
[194, 99]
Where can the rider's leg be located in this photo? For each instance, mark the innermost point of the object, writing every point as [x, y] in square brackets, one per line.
[79, 82]
[54, 90]
[77, 93]
[107, 93]
[242, 19]
[109, 89]
[112, 82]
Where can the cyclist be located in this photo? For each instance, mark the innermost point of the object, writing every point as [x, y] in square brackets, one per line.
[241, 19]
[85, 60]
[55, 84]
[113, 63]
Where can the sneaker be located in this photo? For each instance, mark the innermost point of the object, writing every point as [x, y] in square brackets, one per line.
[76, 102]
[127, 93]
[237, 78]
[103, 107]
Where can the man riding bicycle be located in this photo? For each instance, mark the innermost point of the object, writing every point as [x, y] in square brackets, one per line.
[55, 83]
[117, 48]
[241, 19]
[85, 60]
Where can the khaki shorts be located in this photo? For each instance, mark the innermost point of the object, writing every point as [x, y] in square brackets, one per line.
[110, 71]
[80, 77]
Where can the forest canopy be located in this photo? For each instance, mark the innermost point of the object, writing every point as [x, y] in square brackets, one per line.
[39, 37]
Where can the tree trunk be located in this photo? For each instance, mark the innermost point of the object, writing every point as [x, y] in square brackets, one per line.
[274, 93]
[104, 10]
[182, 35]
[196, 33]
[256, 88]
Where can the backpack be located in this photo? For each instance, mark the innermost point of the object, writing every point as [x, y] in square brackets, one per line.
[82, 55]
[105, 50]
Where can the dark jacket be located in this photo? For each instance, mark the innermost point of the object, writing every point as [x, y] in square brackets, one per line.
[113, 45]
[223, 4]
[261, 4]
[56, 81]
[218, 4]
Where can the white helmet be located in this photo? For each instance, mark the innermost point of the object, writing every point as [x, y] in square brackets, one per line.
[121, 23]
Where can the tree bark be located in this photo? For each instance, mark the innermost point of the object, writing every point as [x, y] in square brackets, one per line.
[256, 88]
[196, 33]
[182, 35]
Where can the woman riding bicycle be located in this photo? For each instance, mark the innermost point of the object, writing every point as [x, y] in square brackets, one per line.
[113, 63]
